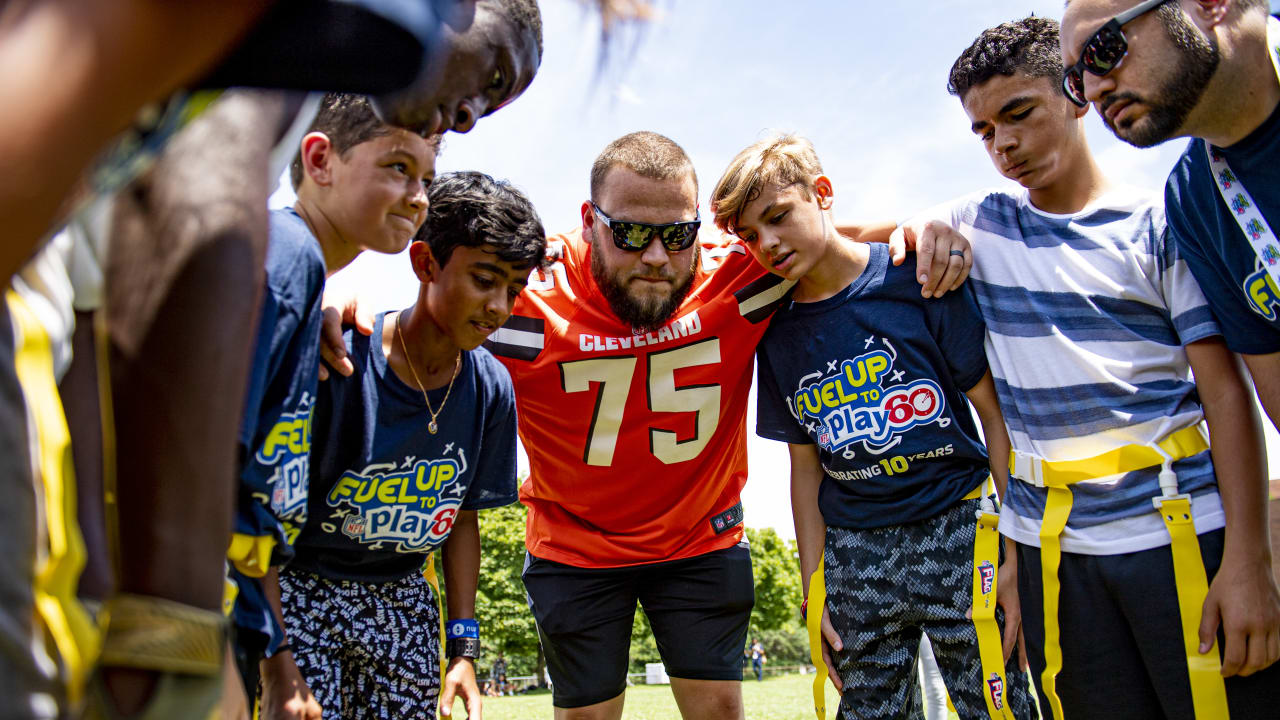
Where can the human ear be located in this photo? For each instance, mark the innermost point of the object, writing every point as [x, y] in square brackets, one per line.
[825, 192]
[317, 158]
[1209, 13]
[422, 260]
[588, 216]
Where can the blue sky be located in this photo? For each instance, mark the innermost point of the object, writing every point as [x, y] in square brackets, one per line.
[866, 82]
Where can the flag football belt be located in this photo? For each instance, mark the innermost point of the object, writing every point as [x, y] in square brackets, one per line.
[1207, 690]
[986, 563]
[75, 633]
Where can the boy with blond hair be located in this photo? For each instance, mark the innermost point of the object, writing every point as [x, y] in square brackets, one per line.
[866, 381]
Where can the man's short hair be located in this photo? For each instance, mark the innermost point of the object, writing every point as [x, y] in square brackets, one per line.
[348, 120]
[783, 159]
[646, 154]
[1029, 46]
[526, 16]
[471, 209]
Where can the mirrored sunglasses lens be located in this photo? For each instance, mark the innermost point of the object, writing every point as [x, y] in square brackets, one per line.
[632, 235]
[1073, 85]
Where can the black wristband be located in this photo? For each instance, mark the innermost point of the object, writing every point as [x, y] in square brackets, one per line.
[467, 647]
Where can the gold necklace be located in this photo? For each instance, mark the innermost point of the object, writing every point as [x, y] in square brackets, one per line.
[432, 427]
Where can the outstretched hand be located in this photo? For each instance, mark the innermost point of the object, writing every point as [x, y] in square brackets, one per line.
[943, 256]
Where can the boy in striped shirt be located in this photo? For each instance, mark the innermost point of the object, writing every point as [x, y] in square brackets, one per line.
[1093, 322]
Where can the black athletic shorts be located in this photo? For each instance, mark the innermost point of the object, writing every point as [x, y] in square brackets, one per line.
[1121, 631]
[698, 607]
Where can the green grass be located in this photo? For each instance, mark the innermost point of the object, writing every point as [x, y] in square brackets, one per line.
[786, 697]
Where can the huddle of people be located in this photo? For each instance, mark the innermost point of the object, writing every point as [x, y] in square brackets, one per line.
[1083, 525]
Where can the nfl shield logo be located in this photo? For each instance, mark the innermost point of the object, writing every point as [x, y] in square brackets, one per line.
[987, 572]
[996, 685]
[718, 523]
[353, 526]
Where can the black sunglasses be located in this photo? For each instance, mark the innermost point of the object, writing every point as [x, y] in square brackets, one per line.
[635, 236]
[1103, 51]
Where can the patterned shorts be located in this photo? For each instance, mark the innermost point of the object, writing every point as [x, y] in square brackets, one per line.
[366, 650]
[887, 585]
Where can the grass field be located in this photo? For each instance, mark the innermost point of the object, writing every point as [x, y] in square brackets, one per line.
[785, 697]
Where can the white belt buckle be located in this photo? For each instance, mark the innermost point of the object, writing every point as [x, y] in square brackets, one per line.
[1028, 468]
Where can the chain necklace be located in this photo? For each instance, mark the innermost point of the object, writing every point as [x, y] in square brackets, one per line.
[432, 427]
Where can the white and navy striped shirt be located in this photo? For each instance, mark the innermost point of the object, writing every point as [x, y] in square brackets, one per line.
[1087, 315]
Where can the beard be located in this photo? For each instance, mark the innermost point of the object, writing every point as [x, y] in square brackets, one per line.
[1183, 86]
[641, 313]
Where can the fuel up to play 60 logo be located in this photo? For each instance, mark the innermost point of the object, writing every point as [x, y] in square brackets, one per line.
[853, 402]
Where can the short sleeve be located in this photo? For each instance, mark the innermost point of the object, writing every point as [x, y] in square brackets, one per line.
[494, 483]
[957, 327]
[1188, 310]
[1243, 330]
[773, 419]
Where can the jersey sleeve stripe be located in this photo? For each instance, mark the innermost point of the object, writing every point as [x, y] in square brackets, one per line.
[521, 338]
[758, 300]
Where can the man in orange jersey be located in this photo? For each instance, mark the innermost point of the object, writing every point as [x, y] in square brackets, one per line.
[632, 357]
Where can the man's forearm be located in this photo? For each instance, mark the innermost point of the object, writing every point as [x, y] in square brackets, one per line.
[1236, 442]
[184, 276]
[76, 72]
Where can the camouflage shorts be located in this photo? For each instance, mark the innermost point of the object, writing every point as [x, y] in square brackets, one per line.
[887, 585]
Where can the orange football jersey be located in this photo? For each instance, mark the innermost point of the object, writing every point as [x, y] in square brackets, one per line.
[636, 442]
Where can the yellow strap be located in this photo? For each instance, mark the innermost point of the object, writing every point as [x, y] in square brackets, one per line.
[1061, 473]
[1056, 510]
[1208, 693]
[251, 554]
[1057, 477]
[57, 574]
[429, 572]
[817, 603]
[986, 571]
[230, 591]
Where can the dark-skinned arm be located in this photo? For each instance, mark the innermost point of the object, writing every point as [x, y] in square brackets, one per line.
[1243, 599]
[461, 577]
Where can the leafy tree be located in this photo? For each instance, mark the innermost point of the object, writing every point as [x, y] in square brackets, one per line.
[776, 567]
[506, 624]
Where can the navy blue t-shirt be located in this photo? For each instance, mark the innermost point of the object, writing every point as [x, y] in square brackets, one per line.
[275, 434]
[1244, 300]
[875, 377]
[385, 491]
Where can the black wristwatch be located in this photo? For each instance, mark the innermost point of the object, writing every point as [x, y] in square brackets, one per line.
[467, 647]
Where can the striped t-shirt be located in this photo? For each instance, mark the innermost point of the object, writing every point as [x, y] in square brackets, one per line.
[1087, 315]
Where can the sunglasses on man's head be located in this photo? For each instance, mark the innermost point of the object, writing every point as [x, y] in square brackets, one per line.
[635, 236]
[1103, 51]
